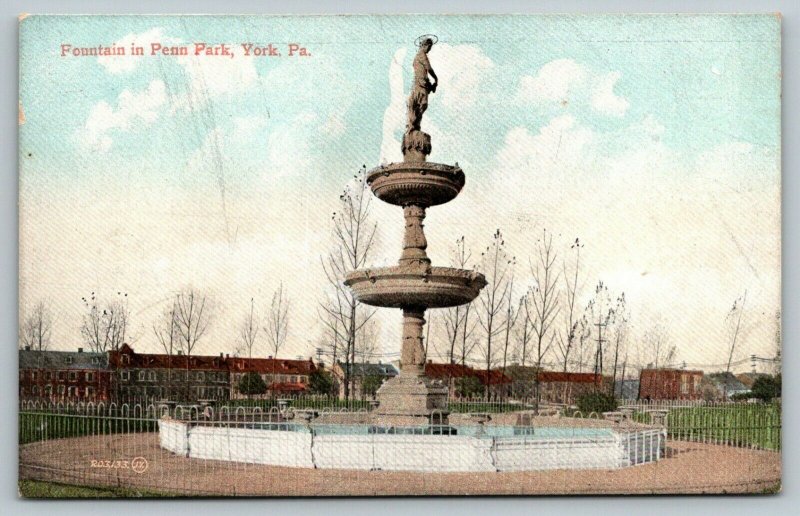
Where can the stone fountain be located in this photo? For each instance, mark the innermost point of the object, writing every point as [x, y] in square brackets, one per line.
[413, 285]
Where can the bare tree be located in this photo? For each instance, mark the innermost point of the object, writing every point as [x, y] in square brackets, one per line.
[733, 324]
[454, 317]
[524, 329]
[619, 336]
[354, 235]
[657, 348]
[510, 320]
[166, 332]
[192, 317]
[601, 314]
[277, 328]
[566, 337]
[104, 325]
[495, 264]
[248, 331]
[542, 307]
[36, 328]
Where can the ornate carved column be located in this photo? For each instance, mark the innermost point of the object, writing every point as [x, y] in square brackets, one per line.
[414, 242]
[412, 355]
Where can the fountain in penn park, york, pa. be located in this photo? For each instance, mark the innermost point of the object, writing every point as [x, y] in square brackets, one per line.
[411, 430]
[413, 285]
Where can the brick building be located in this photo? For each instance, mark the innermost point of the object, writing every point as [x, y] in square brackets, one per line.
[64, 375]
[282, 376]
[168, 377]
[670, 384]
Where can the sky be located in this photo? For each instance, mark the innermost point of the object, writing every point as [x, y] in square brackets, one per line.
[653, 139]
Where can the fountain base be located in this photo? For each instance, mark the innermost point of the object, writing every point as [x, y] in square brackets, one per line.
[412, 397]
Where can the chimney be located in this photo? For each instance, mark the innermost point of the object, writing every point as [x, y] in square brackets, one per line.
[27, 348]
[220, 354]
[180, 352]
[80, 350]
[269, 357]
[430, 360]
[227, 356]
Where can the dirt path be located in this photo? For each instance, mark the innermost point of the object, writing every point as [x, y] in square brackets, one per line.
[690, 468]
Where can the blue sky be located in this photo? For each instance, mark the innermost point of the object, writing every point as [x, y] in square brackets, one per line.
[145, 174]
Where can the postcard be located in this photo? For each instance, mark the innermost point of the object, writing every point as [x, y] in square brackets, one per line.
[394, 255]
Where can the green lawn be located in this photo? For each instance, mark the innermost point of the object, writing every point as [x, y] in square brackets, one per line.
[41, 426]
[37, 489]
[739, 425]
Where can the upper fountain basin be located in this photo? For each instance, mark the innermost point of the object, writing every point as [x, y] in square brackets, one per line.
[416, 183]
[415, 286]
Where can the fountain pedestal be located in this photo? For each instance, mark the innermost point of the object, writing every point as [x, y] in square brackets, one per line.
[411, 396]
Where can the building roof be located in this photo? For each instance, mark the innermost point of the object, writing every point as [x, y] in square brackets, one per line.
[370, 369]
[271, 366]
[210, 362]
[164, 361]
[748, 379]
[34, 359]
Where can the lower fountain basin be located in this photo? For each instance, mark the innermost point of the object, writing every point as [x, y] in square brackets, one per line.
[412, 286]
[421, 183]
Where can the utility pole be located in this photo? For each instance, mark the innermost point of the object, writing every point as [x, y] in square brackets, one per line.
[753, 363]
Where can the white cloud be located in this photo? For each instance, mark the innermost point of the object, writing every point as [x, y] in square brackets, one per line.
[128, 62]
[603, 98]
[565, 82]
[461, 70]
[556, 81]
[134, 110]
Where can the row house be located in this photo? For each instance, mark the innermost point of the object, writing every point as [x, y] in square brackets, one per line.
[64, 375]
[282, 377]
[175, 377]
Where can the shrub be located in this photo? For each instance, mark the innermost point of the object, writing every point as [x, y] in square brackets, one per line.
[252, 383]
[596, 401]
[766, 388]
[321, 382]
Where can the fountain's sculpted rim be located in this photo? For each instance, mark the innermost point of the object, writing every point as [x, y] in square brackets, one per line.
[415, 286]
[416, 183]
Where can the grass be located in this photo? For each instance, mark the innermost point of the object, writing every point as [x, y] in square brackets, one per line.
[740, 425]
[38, 489]
[42, 426]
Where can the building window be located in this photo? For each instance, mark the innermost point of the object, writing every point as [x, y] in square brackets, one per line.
[201, 376]
[72, 391]
[73, 376]
[125, 376]
[61, 389]
[48, 390]
[684, 384]
[126, 359]
[35, 390]
[95, 360]
[89, 392]
[68, 360]
[34, 375]
[152, 376]
[141, 376]
[60, 375]
[48, 375]
[89, 377]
